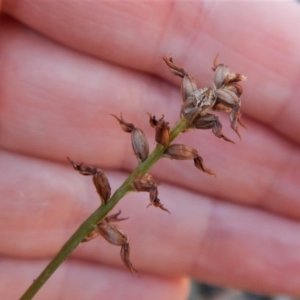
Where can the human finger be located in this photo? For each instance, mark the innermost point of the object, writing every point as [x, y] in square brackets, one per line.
[60, 105]
[205, 238]
[182, 29]
[77, 279]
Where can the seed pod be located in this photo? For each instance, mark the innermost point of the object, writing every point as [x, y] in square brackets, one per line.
[180, 152]
[138, 139]
[144, 184]
[112, 233]
[162, 130]
[102, 186]
[198, 161]
[139, 144]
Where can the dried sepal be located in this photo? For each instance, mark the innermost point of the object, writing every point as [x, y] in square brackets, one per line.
[198, 162]
[125, 253]
[114, 235]
[188, 85]
[147, 184]
[211, 121]
[93, 234]
[162, 130]
[127, 127]
[83, 170]
[183, 152]
[175, 69]
[223, 76]
[154, 200]
[99, 179]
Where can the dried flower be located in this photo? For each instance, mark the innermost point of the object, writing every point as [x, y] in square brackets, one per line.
[99, 179]
[188, 85]
[211, 121]
[183, 152]
[180, 152]
[162, 130]
[114, 235]
[147, 184]
[224, 95]
[138, 139]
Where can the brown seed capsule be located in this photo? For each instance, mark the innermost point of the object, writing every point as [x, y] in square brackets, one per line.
[139, 144]
[180, 152]
[112, 233]
[144, 184]
[162, 130]
[99, 179]
[102, 186]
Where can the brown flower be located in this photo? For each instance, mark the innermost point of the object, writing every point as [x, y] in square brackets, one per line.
[162, 130]
[147, 184]
[114, 235]
[99, 179]
[183, 152]
[138, 139]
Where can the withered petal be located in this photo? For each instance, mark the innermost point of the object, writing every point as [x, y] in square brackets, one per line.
[127, 127]
[125, 254]
[198, 161]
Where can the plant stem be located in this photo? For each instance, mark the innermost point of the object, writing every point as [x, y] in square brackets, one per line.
[88, 225]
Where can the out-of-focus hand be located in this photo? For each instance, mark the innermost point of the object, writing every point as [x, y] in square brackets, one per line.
[65, 66]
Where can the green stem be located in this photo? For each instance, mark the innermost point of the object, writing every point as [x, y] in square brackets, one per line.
[88, 225]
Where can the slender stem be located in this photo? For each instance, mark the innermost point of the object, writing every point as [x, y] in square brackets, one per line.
[88, 225]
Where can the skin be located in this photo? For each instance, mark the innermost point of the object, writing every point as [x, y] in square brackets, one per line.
[65, 66]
